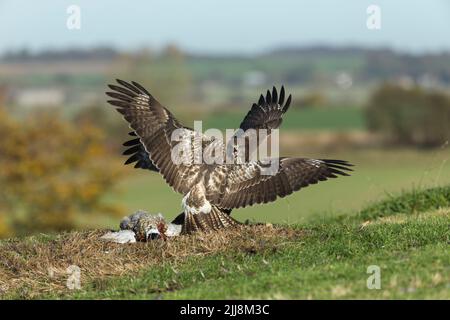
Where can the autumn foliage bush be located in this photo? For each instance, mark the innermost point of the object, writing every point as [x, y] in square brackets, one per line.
[51, 172]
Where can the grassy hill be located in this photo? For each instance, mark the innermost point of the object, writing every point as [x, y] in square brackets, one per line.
[407, 236]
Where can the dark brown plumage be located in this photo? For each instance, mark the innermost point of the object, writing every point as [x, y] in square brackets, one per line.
[268, 112]
[211, 191]
[138, 154]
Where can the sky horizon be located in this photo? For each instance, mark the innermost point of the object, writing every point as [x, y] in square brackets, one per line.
[225, 27]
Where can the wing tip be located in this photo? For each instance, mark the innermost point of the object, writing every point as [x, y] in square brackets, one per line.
[288, 103]
[339, 167]
[275, 97]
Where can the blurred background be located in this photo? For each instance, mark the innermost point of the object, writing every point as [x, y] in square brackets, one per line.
[370, 86]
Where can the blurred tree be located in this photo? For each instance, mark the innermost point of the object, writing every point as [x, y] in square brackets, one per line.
[312, 99]
[3, 94]
[410, 116]
[50, 171]
[103, 118]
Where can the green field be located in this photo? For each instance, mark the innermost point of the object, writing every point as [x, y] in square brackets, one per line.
[405, 236]
[331, 119]
[322, 242]
[412, 254]
[378, 173]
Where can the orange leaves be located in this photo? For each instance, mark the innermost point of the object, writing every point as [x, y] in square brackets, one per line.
[4, 231]
[50, 171]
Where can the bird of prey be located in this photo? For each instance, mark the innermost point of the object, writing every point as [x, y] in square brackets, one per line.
[211, 191]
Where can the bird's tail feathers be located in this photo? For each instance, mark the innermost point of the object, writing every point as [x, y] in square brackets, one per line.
[216, 219]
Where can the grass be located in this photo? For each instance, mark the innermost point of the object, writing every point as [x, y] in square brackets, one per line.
[324, 258]
[414, 201]
[330, 118]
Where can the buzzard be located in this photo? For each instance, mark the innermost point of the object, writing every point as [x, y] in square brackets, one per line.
[211, 191]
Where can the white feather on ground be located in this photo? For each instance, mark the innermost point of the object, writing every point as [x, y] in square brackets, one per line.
[122, 236]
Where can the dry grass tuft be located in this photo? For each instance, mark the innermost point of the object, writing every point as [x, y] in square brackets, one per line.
[30, 267]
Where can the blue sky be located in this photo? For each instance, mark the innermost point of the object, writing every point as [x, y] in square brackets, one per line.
[231, 26]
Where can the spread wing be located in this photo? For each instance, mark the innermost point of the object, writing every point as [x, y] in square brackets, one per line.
[268, 112]
[153, 124]
[267, 115]
[245, 184]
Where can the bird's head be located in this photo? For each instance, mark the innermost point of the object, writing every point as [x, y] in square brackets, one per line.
[150, 227]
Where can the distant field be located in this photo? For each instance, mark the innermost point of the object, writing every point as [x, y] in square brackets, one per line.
[377, 173]
[338, 118]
